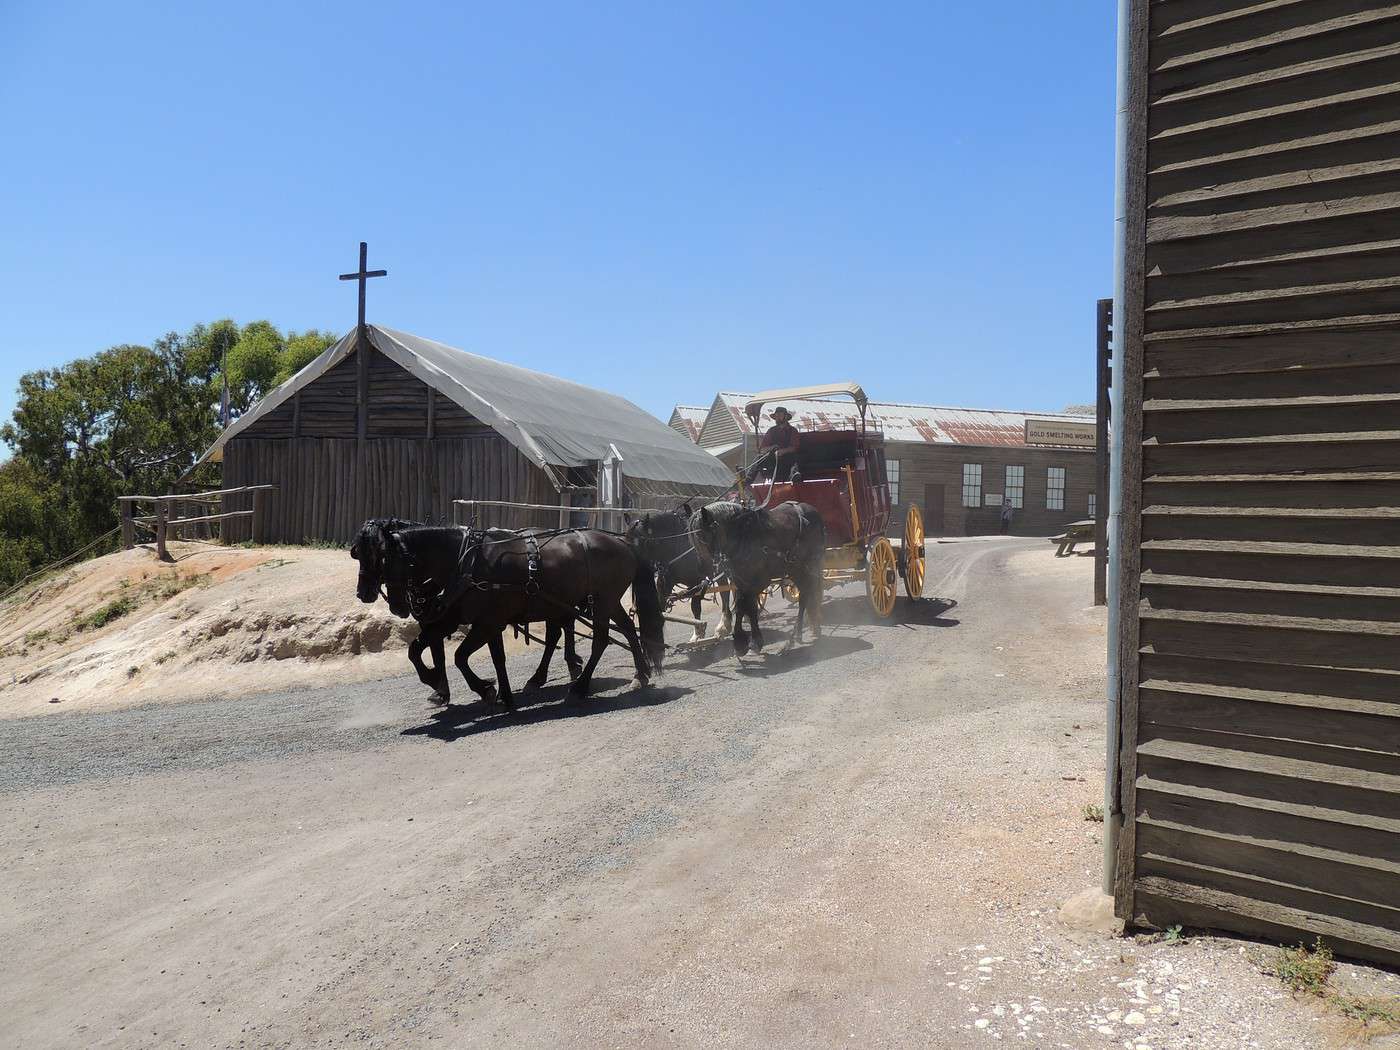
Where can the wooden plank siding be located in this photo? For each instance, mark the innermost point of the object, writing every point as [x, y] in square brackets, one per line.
[329, 480]
[1261, 531]
[925, 465]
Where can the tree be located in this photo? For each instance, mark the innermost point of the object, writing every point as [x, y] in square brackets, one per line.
[300, 350]
[130, 420]
[253, 363]
[30, 529]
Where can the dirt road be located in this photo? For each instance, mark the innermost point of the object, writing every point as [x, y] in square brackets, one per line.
[862, 844]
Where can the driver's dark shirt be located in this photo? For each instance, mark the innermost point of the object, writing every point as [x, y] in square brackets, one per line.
[781, 436]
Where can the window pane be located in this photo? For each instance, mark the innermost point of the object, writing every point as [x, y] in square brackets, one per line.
[1093, 507]
[1055, 488]
[892, 477]
[972, 485]
[1016, 485]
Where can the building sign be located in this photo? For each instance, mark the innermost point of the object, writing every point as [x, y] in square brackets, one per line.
[1060, 432]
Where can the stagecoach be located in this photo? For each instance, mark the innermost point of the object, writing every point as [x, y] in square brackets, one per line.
[841, 472]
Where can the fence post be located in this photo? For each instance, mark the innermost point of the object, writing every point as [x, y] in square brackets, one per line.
[258, 533]
[128, 526]
[565, 498]
[162, 516]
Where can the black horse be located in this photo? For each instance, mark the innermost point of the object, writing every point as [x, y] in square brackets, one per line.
[369, 549]
[663, 538]
[492, 582]
[756, 546]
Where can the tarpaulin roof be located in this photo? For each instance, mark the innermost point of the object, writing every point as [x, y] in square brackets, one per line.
[553, 421]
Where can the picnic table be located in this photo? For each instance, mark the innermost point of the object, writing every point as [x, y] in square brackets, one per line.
[1075, 532]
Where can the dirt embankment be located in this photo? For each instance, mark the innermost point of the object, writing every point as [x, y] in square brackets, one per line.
[219, 621]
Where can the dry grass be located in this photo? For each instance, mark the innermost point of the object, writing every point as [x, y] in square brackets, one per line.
[1309, 971]
[1093, 813]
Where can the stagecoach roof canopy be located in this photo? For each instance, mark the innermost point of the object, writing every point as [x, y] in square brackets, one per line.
[807, 393]
[553, 421]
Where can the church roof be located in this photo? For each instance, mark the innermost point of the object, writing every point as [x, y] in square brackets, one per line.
[554, 422]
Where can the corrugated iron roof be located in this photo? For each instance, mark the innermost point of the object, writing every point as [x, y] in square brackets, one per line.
[688, 419]
[927, 424]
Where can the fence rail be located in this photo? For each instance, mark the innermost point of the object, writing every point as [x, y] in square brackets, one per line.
[161, 522]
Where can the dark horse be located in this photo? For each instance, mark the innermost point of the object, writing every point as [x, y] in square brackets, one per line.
[756, 546]
[492, 582]
[663, 538]
[368, 549]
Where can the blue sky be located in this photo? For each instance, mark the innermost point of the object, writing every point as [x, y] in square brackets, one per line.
[663, 200]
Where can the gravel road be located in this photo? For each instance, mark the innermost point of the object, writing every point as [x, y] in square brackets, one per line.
[864, 842]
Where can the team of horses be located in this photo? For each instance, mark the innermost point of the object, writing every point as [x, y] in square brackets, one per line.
[481, 582]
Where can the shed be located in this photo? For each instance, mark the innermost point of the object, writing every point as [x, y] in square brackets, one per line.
[390, 423]
[1257, 338]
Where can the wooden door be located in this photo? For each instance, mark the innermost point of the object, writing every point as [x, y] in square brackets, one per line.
[933, 510]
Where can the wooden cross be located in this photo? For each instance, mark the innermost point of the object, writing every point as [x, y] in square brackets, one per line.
[362, 276]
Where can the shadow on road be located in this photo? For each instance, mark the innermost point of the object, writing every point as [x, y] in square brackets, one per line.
[545, 705]
[854, 611]
[774, 660]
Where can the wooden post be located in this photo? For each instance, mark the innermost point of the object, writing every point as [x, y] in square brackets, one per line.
[296, 415]
[362, 387]
[565, 499]
[1102, 380]
[162, 516]
[432, 412]
[128, 526]
[258, 530]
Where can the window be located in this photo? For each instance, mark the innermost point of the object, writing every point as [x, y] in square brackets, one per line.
[1016, 486]
[1055, 488]
[892, 478]
[972, 484]
[1093, 507]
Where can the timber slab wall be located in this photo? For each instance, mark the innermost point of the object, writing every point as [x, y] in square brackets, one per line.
[420, 452]
[1260, 532]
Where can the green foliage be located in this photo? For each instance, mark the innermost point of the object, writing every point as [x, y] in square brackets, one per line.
[129, 420]
[1304, 969]
[105, 614]
[300, 350]
[1093, 813]
[29, 520]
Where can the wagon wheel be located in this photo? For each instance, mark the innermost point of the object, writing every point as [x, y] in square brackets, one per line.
[914, 553]
[881, 577]
[790, 591]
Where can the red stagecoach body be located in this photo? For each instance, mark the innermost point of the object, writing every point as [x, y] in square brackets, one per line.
[842, 474]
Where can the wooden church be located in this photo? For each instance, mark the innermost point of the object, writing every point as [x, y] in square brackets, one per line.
[386, 423]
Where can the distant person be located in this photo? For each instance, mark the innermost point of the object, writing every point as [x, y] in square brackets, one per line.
[783, 440]
[1007, 512]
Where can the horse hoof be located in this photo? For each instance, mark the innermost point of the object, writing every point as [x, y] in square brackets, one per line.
[641, 681]
[439, 699]
[488, 693]
[537, 682]
[575, 693]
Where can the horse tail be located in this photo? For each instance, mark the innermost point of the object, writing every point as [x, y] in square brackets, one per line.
[648, 602]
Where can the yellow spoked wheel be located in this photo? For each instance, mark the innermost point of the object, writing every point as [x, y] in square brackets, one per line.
[914, 553]
[881, 577]
[790, 591]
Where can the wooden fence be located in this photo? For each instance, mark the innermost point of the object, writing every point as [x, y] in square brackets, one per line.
[167, 514]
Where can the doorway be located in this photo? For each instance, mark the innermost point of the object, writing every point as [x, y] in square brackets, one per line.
[933, 510]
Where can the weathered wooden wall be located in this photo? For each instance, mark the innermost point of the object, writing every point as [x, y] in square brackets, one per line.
[421, 451]
[1261, 546]
[923, 465]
